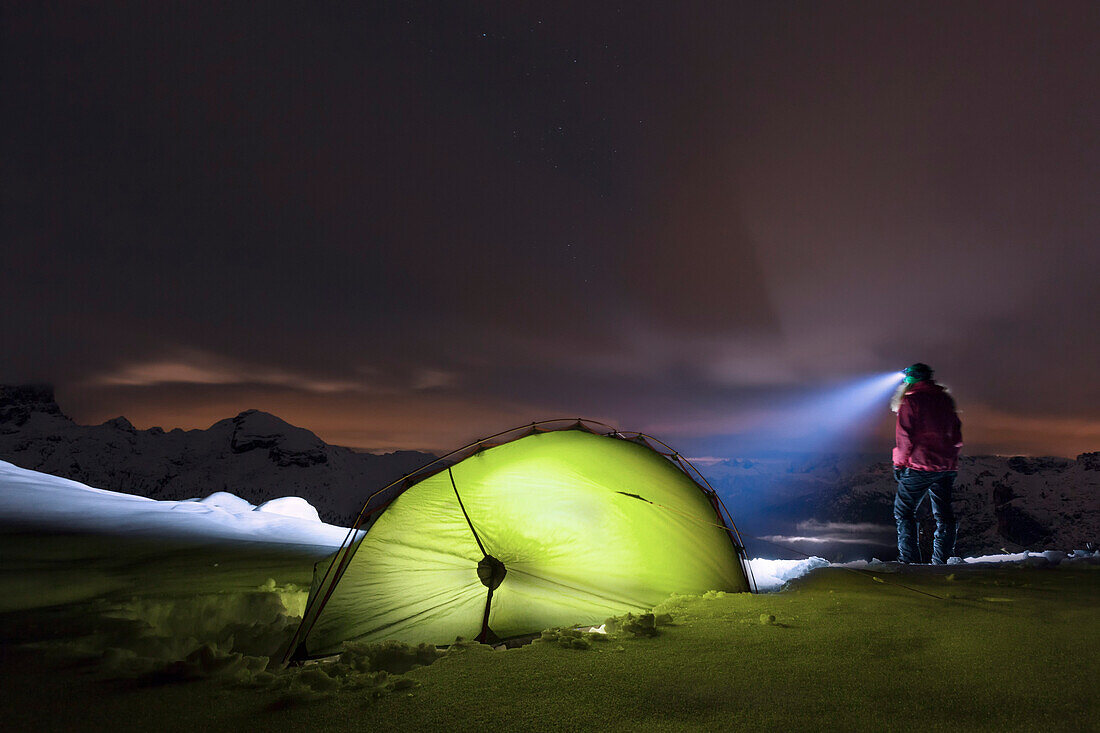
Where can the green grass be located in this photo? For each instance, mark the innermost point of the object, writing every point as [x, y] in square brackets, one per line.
[1010, 649]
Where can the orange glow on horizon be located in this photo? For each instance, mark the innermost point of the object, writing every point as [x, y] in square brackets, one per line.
[436, 423]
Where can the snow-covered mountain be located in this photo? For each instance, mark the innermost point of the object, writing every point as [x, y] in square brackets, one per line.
[254, 455]
[1002, 502]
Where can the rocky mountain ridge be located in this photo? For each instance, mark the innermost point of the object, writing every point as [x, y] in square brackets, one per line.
[1002, 502]
[254, 455]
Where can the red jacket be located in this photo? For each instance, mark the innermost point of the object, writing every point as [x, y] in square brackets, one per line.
[929, 434]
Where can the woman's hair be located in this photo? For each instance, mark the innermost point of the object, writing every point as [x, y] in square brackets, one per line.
[899, 394]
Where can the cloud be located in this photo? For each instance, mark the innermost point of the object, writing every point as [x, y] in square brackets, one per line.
[827, 540]
[198, 368]
[843, 533]
[433, 379]
[813, 525]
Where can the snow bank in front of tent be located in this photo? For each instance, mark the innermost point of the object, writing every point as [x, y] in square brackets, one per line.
[41, 501]
[772, 574]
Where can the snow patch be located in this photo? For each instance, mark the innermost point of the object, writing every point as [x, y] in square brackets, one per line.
[772, 574]
[32, 499]
[1023, 559]
[229, 502]
[1047, 557]
[291, 506]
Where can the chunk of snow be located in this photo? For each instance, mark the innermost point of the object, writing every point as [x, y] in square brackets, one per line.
[772, 574]
[229, 502]
[291, 506]
[1038, 559]
[1004, 557]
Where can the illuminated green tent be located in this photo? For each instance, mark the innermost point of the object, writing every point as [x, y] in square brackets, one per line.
[550, 528]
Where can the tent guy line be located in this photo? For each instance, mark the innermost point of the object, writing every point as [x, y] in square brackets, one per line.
[490, 570]
[466, 514]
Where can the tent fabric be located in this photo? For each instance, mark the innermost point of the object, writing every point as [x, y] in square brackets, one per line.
[586, 526]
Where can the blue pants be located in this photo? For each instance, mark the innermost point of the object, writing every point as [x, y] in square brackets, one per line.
[912, 487]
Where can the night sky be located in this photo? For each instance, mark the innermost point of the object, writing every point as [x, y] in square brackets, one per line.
[407, 225]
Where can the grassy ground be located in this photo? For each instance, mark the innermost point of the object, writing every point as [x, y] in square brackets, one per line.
[1010, 649]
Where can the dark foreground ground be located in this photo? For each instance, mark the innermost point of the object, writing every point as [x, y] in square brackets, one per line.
[1002, 649]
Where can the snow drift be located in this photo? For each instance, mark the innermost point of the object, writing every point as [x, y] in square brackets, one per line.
[40, 501]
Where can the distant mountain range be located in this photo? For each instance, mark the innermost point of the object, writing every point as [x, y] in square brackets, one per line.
[838, 506]
[254, 455]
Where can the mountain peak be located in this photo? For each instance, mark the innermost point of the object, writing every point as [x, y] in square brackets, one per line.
[287, 444]
[1089, 461]
[259, 416]
[121, 423]
[19, 402]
